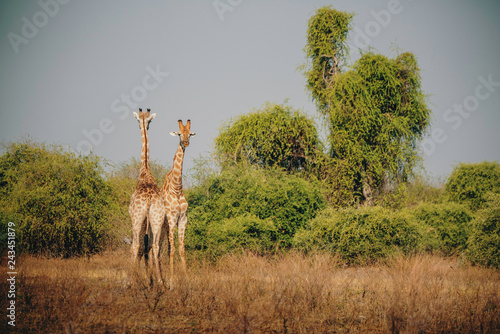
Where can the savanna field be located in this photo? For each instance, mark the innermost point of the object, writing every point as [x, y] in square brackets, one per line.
[285, 233]
[245, 293]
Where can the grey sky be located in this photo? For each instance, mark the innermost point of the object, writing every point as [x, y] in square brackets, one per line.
[76, 70]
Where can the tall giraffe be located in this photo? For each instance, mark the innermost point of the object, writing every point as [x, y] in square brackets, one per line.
[175, 203]
[147, 206]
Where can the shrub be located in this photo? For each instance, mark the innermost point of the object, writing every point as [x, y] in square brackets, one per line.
[359, 235]
[57, 200]
[244, 232]
[484, 241]
[243, 195]
[444, 227]
[410, 194]
[470, 183]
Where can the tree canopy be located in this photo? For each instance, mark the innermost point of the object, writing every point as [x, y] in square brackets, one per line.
[273, 136]
[376, 110]
[326, 50]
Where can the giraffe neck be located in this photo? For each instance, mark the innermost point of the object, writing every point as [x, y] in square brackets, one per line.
[145, 148]
[176, 176]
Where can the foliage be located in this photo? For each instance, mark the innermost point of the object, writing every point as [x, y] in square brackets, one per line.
[57, 200]
[470, 183]
[376, 111]
[359, 235]
[245, 232]
[338, 181]
[377, 116]
[444, 227]
[204, 167]
[326, 50]
[419, 189]
[250, 198]
[484, 242]
[422, 188]
[129, 170]
[274, 136]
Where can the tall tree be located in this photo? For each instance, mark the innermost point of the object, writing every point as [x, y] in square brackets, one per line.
[376, 110]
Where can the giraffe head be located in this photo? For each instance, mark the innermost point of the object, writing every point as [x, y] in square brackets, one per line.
[144, 118]
[184, 133]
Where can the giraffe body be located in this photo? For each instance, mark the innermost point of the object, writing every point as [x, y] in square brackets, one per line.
[147, 207]
[175, 203]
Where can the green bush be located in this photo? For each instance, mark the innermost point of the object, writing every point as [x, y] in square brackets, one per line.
[359, 235]
[444, 227]
[412, 193]
[484, 241]
[242, 196]
[246, 232]
[470, 183]
[58, 201]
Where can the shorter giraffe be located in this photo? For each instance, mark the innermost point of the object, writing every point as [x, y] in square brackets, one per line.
[175, 203]
[147, 206]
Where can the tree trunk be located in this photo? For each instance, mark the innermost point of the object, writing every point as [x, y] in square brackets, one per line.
[367, 192]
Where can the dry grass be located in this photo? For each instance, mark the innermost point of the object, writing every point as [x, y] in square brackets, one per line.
[249, 294]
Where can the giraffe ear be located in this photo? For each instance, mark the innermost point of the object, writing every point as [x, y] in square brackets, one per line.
[174, 133]
[193, 134]
[136, 116]
[150, 118]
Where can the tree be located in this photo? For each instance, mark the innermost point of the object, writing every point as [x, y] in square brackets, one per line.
[376, 111]
[58, 201]
[274, 136]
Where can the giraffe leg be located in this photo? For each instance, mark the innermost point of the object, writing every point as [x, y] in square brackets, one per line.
[157, 264]
[171, 246]
[135, 249]
[148, 259]
[136, 232]
[137, 216]
[155, 250]
[181, 231]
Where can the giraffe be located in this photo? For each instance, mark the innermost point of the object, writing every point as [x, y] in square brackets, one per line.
[175, 203]
[147, 206]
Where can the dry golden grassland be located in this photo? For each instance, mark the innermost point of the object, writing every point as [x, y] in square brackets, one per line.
[290, 293]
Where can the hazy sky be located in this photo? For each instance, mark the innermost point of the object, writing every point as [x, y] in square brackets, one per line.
[72, 72]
